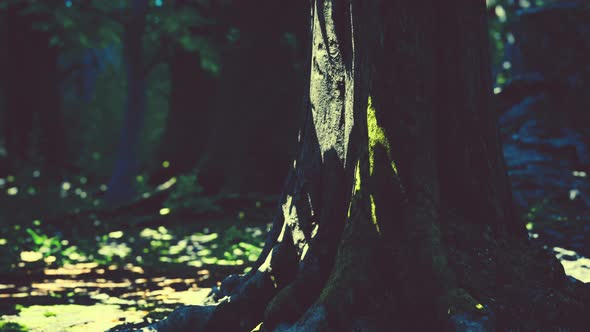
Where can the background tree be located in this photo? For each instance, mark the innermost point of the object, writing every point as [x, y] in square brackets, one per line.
[32, 96]
[121, 185]
[398, 204]
[192, 96]
[260, 82]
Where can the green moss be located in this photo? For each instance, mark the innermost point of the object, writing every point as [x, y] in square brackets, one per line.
[374, 214]
[286, 306]
[354, 281]
[376, 137]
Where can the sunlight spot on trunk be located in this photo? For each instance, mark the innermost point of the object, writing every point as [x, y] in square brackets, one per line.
[374, 214]
[292, 221]
[274, 281]
[257, 328]
[304, 251]
[357, 177]
[266, 267]
[315, 229]
[349, 209]
[376, 136]
[282, 234]
[310, 205]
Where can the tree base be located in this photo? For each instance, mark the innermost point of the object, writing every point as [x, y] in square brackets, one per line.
[504, 287]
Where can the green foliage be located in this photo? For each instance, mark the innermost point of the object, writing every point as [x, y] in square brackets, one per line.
[12, 327]
[36, 244]
[502, 15]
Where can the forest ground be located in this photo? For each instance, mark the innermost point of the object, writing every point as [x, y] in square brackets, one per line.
[132, 267]
[68, 264]
[92, 270]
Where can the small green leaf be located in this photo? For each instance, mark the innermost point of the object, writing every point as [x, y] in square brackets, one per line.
[37, 239]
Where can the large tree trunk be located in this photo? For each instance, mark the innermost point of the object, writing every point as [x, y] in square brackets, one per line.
[397, 213]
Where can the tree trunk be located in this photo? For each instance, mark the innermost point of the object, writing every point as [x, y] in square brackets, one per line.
[191, 95]
[32, 92]
[122, 182]
[397, 213]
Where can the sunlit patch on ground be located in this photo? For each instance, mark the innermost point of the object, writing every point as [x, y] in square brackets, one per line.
[575, 266]
[73, 317]
[75, 300]
[565, 233]
[96, 278]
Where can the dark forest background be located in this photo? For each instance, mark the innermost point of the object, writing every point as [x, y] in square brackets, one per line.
[149, 138]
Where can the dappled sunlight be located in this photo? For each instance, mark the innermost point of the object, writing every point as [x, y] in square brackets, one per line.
[125, 286]
[575, 265]
[12, 191]
[167, 185]
[144, 145]
[99, 317]
[580, 174]
[121, 266]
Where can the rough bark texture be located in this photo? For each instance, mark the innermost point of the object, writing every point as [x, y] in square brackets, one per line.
[397, 213]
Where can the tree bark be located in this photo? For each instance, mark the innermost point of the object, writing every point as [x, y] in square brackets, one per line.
[397, 212]
[122, 182]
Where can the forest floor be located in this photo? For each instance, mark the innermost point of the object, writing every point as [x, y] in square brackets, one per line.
[91, 270]
[68, 264]
[91, 274]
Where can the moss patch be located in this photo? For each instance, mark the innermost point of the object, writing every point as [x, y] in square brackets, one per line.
[376, 137]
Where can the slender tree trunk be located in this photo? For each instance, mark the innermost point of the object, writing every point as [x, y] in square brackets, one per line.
[121, 184]
[191, 94]
[397, 214]
[52, 140]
